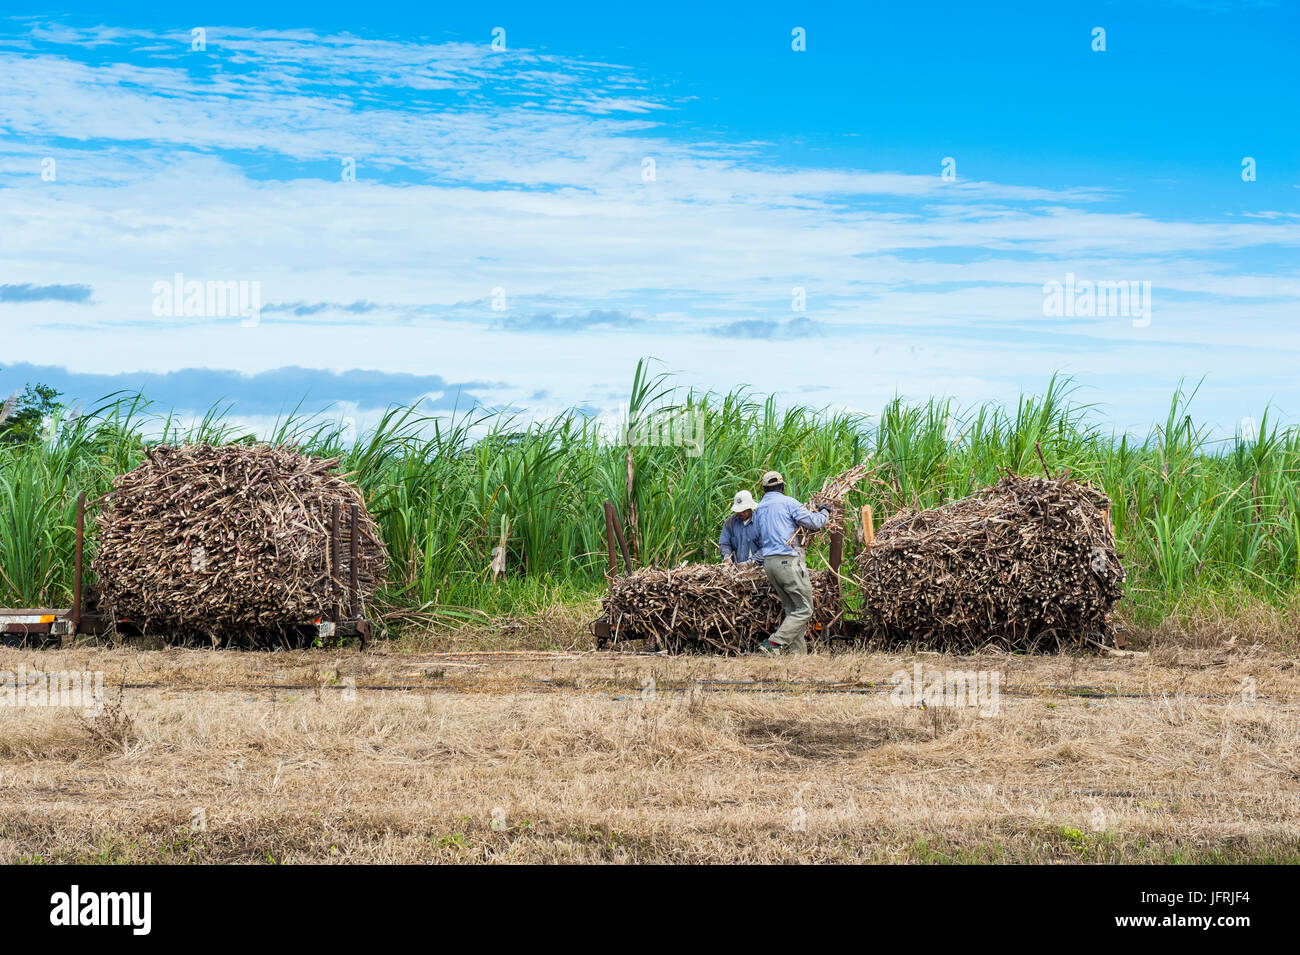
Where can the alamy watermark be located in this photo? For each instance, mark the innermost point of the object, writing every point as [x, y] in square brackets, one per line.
[959, 688]
[214, 299]
[675, 427]
[131, 910]
[67, 689]
[1084, 298]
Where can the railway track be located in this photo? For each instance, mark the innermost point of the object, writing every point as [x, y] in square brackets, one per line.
[599, 687]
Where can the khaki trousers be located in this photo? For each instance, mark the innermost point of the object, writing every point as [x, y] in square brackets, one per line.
[789, 576]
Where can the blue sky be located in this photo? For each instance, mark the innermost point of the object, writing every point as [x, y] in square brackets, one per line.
[501, 241]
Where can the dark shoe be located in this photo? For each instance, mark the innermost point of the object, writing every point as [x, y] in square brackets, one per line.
[766, 648]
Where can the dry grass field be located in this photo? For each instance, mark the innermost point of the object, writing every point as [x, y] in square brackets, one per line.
[404, 754]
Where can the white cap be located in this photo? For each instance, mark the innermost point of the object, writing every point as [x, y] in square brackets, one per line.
[743, 501]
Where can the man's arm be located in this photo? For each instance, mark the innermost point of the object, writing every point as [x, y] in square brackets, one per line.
[813, 520]
[724, 541]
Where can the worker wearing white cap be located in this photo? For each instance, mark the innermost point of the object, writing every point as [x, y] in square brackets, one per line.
[778, 518]
[739, 541]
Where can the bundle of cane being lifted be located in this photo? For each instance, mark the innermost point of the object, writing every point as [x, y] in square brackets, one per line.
[831, 496]
[1027, 564]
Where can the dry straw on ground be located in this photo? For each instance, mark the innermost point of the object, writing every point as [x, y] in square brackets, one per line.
[1027, 564]
[710, 607]
[316, 756]
[229, 540]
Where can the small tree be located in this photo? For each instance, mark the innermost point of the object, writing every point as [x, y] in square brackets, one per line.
[21, 416]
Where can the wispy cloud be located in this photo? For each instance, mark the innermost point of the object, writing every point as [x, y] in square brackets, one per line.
[769, 329]
[551, 322]
[26, 292]
[275, 391]
[315, 308]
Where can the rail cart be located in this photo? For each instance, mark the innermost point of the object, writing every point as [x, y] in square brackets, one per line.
[846, 629]
[47, 626]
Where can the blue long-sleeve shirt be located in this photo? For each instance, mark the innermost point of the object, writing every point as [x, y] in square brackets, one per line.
[739, 540]
[778, 517]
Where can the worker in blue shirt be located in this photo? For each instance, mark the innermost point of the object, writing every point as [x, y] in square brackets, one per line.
[778, 518]
[739, 541]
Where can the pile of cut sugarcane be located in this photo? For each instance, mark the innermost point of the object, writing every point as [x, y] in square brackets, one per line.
[1027, 564]
[230, 540]
[710, 608]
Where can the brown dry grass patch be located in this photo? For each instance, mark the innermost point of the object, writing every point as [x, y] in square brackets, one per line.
[395, 756]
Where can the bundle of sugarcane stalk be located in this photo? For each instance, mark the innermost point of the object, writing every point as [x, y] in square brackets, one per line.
[231, 540]
[710, 608]
[832, 494]
[1027, 564]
